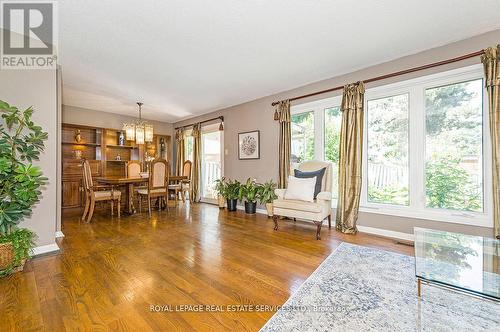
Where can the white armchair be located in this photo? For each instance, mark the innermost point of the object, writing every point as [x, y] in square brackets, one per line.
[316, 211]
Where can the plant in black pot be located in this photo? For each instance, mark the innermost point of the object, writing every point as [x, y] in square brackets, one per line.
[21, 142]
[249, 192]
[232, 193]
[267, 195]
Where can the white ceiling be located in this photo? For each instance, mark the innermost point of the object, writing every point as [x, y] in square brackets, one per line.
[186, 57]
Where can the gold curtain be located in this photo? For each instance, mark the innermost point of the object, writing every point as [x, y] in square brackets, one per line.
[285, 141]
[350, 157]
[491, 63]
[196, 170]
[179, 156]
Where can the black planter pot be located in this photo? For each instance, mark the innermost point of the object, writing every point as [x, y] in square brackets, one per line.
[250, 207]
[231, 204]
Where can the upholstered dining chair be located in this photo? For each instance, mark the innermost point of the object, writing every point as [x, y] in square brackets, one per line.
[316, 211]
[133, 169]
[183, 186]
[157, 184]
[96, 193]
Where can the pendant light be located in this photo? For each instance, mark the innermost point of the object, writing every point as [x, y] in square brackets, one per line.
[140, 131]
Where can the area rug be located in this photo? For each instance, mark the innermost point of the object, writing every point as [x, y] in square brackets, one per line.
[364, 289]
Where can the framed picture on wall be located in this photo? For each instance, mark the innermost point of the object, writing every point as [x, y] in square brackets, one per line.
[249, 145]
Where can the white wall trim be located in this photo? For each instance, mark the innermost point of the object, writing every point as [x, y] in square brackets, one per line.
[385, 233]
[260, 211]
[362, 229]
[45, 249]
[59, 234]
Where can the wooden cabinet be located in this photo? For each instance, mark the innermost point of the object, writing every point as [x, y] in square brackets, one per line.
[106, 156]
[78, 142]
[72, 181]
[71, 193]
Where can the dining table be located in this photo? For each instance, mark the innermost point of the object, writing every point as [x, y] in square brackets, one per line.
[129, 183]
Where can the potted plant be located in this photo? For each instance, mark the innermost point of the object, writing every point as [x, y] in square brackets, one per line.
[220, 188]
[21, 142]
[267, 196]
[232, 193]
[249, 192]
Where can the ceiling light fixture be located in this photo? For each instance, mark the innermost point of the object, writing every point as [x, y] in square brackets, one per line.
[140, 131]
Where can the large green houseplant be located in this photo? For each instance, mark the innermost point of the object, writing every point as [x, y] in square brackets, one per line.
[21, 142]
[220, 189]
[267, 195]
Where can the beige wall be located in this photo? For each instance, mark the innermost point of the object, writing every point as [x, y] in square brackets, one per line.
[258, 114]
[37, 88]
[87, 117]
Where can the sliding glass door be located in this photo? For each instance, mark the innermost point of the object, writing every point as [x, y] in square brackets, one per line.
[211, 162]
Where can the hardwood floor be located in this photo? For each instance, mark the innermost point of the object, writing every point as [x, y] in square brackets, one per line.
[111, 271]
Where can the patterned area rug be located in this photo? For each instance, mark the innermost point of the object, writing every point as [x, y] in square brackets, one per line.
[363, 289]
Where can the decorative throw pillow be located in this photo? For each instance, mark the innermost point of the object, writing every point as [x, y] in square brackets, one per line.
[300, 189]
[319, 178]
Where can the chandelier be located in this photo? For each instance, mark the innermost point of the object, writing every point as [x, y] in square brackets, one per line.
[140, 131]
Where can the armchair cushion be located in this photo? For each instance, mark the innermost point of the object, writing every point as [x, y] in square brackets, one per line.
[293, 204]
[319, 178]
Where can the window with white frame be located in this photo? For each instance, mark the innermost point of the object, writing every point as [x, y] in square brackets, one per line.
[424, 152]
[188, 147]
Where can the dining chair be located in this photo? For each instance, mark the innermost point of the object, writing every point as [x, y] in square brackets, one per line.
[97, 193]
[133, 169]
[184, 185]
[157, 184]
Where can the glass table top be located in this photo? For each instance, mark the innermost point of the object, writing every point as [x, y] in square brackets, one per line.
[470, 263]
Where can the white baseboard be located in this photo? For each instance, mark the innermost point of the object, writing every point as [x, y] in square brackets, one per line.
[59, 234]
[362, 229]
[45, 249]
[260, 211]
[386, 233]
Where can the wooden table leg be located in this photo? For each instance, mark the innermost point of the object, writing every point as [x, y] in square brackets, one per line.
[130, 199]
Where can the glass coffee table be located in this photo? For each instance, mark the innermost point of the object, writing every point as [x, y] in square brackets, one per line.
[465, 263]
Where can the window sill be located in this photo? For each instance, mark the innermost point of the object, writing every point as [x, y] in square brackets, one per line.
[454, 217]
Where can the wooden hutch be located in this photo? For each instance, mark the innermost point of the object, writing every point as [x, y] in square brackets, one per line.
[107, 157]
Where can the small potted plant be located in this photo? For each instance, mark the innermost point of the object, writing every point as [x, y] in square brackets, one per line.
[21, 142]
[267, 196]
[220, 188]
[232, 193]
[249, 193]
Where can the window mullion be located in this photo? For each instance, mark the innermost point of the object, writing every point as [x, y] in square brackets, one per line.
[417, 148]
[319, 134]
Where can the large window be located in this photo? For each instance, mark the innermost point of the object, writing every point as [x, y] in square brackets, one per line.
[302, 137]
[333, 121]
[188, 147]
[211, 161]
[388, 150]
[424, 151]
[454, 146]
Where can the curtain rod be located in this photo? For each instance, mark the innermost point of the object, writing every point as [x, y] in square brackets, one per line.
[394, 74]
[192, 124]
